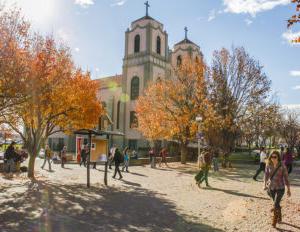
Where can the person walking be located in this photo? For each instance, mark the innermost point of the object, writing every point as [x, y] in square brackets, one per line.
[126, 159]
[215, 161]
[203, 173]
[275, 180]
[163, 155]
[63, 156]
[84, 154]
[262, 163]
[47, 158]
[118, 160]
[288, 160]
[152, 157]
[111, 155]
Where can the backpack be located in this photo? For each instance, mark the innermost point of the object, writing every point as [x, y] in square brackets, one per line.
[119, 158]
[207, 158]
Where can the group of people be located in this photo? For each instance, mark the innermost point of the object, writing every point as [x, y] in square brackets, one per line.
[162, 155]
[13, 156]
[49, 156]
[277, 167]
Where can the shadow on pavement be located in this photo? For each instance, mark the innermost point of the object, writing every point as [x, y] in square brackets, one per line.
[235, 193]
[46, 206]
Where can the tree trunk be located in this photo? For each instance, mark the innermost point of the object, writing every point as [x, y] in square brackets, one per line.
[31, 163]
[183, 153]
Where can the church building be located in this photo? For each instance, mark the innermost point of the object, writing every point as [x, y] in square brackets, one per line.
[147, 58]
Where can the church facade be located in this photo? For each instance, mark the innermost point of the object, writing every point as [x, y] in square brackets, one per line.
[147, 58]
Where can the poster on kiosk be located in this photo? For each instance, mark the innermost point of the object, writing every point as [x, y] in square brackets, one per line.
[79, 146]
[99, 150]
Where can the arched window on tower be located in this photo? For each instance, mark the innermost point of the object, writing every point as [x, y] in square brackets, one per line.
[118, 114]
[158, 45]
[197, 59]
[137, 40]
[179, 60]
[135, 88]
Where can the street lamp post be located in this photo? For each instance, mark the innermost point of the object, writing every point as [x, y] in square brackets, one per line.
[199, 120]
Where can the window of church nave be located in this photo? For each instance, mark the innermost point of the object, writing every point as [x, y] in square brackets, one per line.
[179, 60]
[133, 123]
[137, 40]
[158, 45]
[135, 86]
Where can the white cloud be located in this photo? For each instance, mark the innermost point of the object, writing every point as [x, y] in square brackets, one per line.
[292, 106]
[297, 87]
[97, 70]
[212, 15]
[251, 7]
[77, 50]
[248, 21]
[295, 73]
[118, 3]
[84, 3]
[290, 35]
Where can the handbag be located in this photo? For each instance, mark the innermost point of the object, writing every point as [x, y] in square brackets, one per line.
[268, 184]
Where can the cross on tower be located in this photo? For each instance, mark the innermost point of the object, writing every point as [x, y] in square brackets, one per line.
[185, 31]
[147, 6]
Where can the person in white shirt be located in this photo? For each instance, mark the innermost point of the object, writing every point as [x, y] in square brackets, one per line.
[262, 163]
[111, 155]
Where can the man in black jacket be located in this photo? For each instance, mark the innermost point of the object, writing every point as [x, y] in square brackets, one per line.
[118, 160]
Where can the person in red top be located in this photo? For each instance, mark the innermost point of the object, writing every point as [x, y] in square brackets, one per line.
[276, 176]
[288, 160]
[163, 155]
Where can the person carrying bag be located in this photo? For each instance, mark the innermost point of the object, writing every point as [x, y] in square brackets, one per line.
[276, 178]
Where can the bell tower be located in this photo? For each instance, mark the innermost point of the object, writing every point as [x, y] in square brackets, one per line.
[146, 59]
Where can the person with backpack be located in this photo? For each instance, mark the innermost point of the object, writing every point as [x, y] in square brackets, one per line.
[48, 155]
[203, 173]
[118, 158]
[275, 181]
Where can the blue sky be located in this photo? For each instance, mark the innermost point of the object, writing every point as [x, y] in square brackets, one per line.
[94, 29]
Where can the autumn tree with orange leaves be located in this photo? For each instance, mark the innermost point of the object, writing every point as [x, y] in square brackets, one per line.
[168, 108]
[13, 39]
[295, 19]
[58, 96]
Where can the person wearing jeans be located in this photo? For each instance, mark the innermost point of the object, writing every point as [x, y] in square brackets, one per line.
[276, 176]
[118, 161]
[126, 159]
[47, 157]
[262, 164]
[288, 160]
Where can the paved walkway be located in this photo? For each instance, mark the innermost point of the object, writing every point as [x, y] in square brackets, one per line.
[165, 199]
